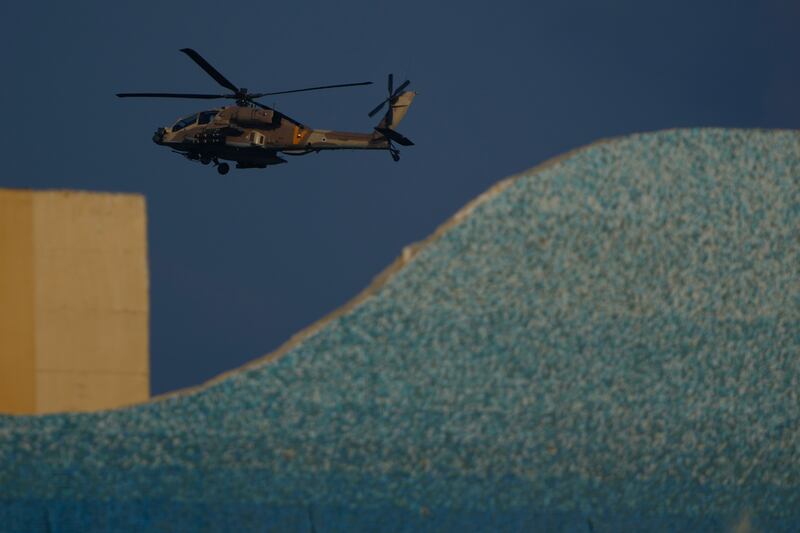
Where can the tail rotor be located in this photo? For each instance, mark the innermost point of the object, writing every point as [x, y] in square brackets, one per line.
[385, 127]
[390, 99]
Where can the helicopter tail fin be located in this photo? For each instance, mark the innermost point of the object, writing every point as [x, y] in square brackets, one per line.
[398, 110]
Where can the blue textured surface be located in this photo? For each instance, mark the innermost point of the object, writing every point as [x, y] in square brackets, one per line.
[611, 342]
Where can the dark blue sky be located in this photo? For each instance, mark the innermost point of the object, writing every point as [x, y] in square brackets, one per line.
[239, 263]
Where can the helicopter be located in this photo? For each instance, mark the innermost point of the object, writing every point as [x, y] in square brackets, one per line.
[252, 134]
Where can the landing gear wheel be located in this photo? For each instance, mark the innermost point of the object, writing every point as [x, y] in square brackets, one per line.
[223, 168]
[205, 160]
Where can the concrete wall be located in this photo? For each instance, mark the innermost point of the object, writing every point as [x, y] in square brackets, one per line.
[73, 301]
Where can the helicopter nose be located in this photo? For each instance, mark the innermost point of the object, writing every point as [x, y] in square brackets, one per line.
[158, 136]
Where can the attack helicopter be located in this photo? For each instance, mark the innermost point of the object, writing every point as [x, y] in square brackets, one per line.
[252, 134]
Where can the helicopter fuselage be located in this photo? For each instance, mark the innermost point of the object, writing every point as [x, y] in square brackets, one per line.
[253, 134]
[253, 137]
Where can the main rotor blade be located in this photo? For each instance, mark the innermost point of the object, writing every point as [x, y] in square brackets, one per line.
[214, 73]
[176, 95]
[259, 95]
[262, 106]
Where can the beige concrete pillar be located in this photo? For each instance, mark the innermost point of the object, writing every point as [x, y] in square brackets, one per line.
[73, 301]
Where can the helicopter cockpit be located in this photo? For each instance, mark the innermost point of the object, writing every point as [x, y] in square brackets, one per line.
[186, 121]
[204, 117]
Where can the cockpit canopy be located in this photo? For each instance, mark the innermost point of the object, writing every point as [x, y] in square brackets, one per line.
[204, 117]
